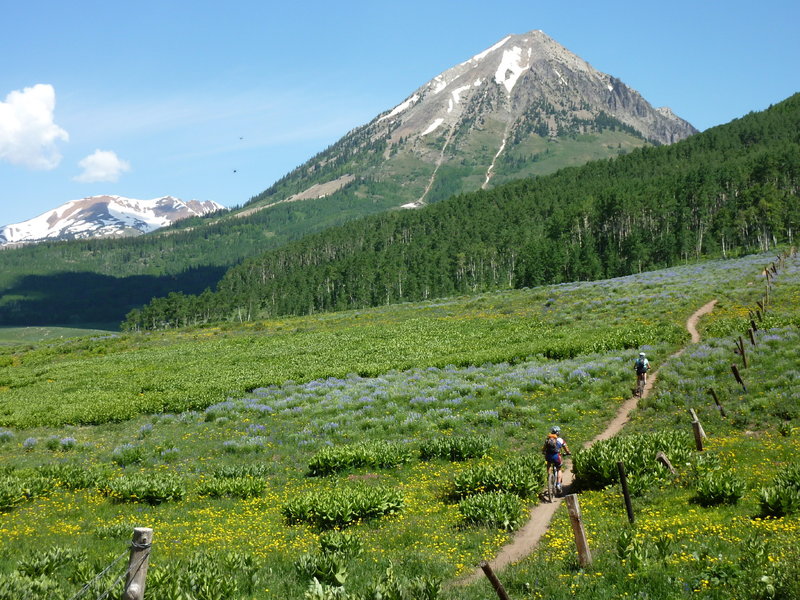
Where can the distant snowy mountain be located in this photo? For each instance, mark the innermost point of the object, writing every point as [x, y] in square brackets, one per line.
[104, 216]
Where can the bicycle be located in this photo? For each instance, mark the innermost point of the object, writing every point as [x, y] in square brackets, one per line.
[552, 481]
[639, 390]
[551, 490]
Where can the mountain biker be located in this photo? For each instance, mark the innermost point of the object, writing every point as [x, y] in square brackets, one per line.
[641, 366]
[552, 448]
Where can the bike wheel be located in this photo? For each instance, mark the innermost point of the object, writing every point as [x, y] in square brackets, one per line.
[551, 485]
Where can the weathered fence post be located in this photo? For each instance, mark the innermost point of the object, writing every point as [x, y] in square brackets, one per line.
[623, 479]
[742, 352]
[753, 325]
[498, 587]
[698, 436]
[717, 402]
[584, 554]
[695, 418]
[738, 377]
[137, 564]
[662, 458]
[752, 334]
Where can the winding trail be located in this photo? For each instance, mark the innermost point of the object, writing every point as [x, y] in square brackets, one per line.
[527, 538]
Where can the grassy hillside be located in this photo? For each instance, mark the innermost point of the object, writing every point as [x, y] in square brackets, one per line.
[281, 430]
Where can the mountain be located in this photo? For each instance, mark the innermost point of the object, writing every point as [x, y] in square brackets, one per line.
[526, 106]
[730, 190]
[104, 216]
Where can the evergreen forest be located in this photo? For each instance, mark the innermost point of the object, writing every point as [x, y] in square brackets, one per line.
[727, 191]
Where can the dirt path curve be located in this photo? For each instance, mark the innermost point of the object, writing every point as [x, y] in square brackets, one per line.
[527, 538]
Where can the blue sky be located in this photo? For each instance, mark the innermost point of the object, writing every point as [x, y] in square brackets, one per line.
[145, 99]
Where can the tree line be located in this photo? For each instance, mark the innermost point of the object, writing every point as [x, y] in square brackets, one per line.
[729, 190]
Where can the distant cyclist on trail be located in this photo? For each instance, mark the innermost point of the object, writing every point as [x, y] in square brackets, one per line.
[553, 446]
[641, 366]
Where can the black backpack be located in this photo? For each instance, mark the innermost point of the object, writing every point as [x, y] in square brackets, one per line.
[551, 446]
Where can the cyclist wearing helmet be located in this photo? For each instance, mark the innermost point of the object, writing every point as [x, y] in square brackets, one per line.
[553, 446]
[641, 366]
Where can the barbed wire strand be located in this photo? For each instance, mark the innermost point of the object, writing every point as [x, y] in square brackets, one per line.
[86, 587]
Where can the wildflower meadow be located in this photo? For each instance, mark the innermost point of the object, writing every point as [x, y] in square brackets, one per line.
[386, 452]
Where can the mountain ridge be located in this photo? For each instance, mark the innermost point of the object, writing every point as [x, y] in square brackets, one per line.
[104, 216]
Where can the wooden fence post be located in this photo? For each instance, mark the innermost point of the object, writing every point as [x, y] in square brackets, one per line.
[738, 377]
[498, 587]
[623, 479]
[753, 325]
[752, 336]
[584, 554]
[742, 352]
[717, 402]
[695, 418]
[698, 437]
[662, 458]
[137, 564]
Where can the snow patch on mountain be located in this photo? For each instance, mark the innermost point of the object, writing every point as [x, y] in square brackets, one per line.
[433, 126]
[488, 51]
[511, 67]
[400, 107]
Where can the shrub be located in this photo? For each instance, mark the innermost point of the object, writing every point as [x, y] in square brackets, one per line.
[455, 448]
[596, 467]
[152, 488]
[49, 561]
[377, 454]
[523, 476]
[11, 493]
[500, 510]
[326, 568]
[783, 497]
[6, 436]
[70, 476]
[341, 507]
[719, 488]
[342, 542]
[16, 489]
[392, 587]
[116, 531]
[247, 445]
[127, 454]
[14, 586]
[205, 576]
[251, 470]
[232, 487]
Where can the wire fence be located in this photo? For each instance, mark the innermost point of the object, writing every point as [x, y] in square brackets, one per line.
[131, 570]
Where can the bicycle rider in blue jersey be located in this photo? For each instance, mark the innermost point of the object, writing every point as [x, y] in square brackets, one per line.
[553, 446]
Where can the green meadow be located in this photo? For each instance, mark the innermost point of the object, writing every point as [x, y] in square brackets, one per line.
[383, 453]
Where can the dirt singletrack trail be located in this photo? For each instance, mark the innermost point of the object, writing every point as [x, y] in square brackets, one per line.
[527, 538]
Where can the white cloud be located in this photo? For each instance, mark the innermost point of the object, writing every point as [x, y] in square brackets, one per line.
[103, 165]
[28, 134]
